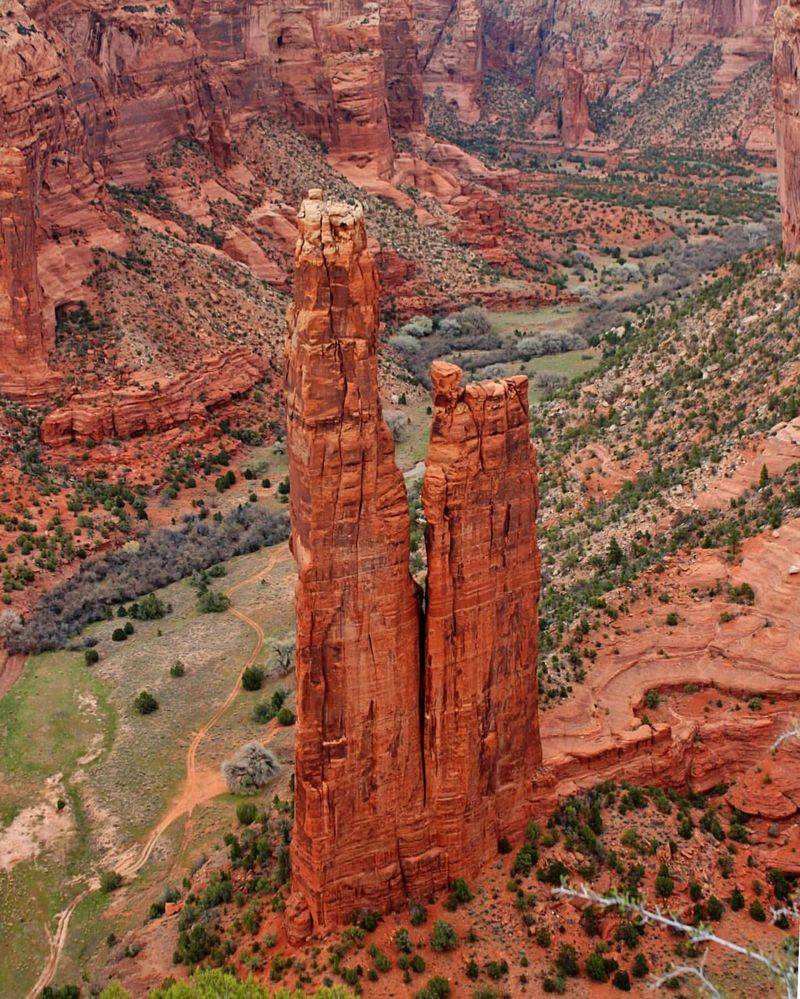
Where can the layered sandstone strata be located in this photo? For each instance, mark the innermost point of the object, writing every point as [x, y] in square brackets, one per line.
[406, 771]
[482, 745]
[24, 340]
[154, 407]
[359, 837]
[786, 92]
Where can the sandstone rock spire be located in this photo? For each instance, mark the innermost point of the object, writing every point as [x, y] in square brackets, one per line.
[413, 755]
[482, 745]
[786, 94]
[24, 341]
[359, 839]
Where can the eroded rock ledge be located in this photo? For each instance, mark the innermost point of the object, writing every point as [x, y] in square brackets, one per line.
[154, 407]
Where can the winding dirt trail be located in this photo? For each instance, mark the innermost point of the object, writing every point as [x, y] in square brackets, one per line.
[198, 787]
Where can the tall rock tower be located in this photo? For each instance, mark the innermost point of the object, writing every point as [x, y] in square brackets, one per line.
[786, 93]
[480, 496]
[417, 737]
[24, 342]
[360, 839]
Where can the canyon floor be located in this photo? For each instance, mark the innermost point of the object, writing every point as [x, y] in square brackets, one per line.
[673, 675]
[666, 417]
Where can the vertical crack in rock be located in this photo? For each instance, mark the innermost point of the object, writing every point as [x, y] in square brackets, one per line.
[25, 340]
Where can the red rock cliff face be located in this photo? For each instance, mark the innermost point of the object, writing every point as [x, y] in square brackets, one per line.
[480, 497]
[400, 786]
[620, 46]
[359, 837]
[345, 73]
[451, 50]
[24, 341]
[786, 90]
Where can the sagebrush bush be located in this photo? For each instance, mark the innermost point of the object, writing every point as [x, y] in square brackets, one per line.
[252, 768]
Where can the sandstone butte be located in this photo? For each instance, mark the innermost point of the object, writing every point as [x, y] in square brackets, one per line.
[417, 738]
[786, 93]
[25, 341]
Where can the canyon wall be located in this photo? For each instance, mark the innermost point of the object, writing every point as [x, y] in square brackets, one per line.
[405, 776]
[480, 496]
[786, 92]
[24, 340]
[618, 45]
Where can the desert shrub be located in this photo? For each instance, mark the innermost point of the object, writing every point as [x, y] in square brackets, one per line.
[665, 885]
[549, 381]
[110, 881]
[246, 813]
[459, 894]
[253, 678]
[418, 326]
[284, 656]
[437, 988]
[404, 343]
[91, 656]
[149, 608]
[251, 768]
[285, 717]
[216, 983]
[567, 961]
[177, 670]
[548, 343]
[474, 321]
[621, 981]
[145, 703]
[212, 602]
[10, 624]
[398, 424]
[265, 711]
[443, 937]
[119, 635]
[162, 557]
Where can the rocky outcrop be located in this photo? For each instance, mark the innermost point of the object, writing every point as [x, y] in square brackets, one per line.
[574, 111]
[482, 745]
[405, 775]
[786, 93]
[359, 837]
[24, 340]
[154, 407]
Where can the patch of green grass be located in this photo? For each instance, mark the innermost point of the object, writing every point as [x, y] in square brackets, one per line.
[555, 318]
[51, 716]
